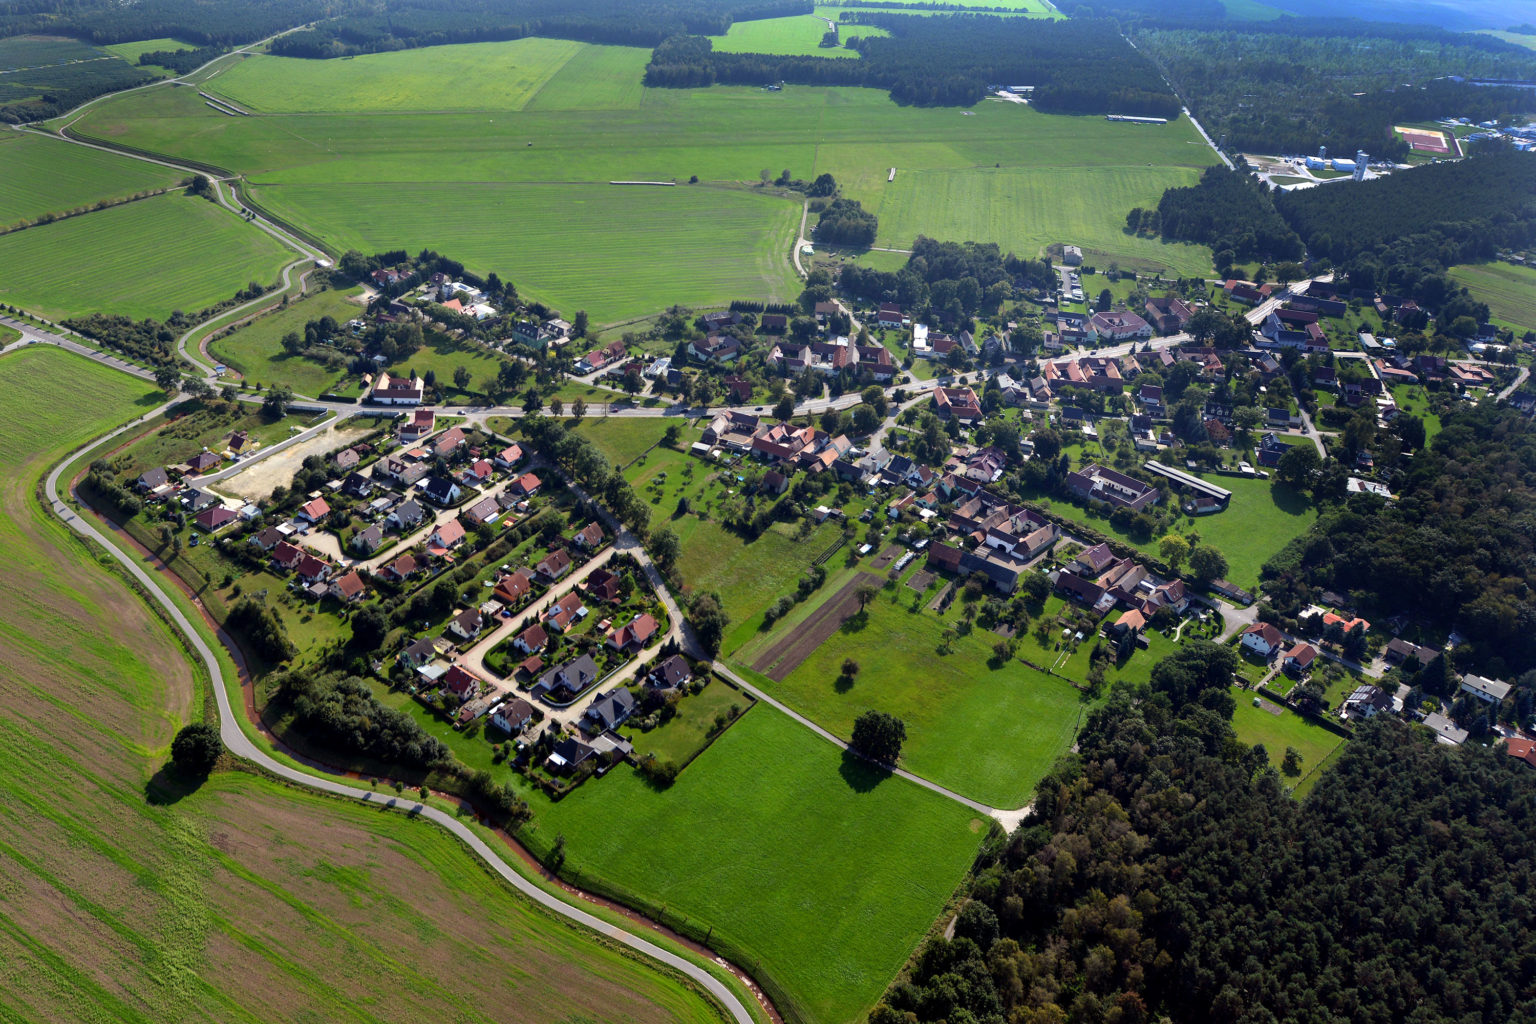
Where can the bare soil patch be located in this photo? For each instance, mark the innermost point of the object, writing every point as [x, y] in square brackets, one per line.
[921, 581]
[884, 559]
[259, 480]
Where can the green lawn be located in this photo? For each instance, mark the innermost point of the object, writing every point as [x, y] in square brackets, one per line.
[1414, 400]
[40, 175]
[144, 259]
[747, 576]
[759, 840]
[526, 194]
[989, 733]
[691, 728]
[256, 350]
[239, 900]
[1259, 522]
[1510, 291]
[443, 355]
[473, 76]
[799, 35]
[1276, 732]
[624, 439]
[131, 52]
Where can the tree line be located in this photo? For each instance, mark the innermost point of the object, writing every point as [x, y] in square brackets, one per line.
[415, 23]
[1076, 67]
[1165, 874]
[1292, 85]
[1229, 211]
[954, 280]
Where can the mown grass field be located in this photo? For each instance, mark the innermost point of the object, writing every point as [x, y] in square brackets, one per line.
[761, 838]
[526, 194]
[256, 350]
[799, 35]
[1510, 291]
[131, 52]
[473, 76]
[242, 900]
[143, 259]
[443, 355]
[987, 732]
[41, 175]
[1019, 8]
[624, 439]
[1259, 522]
[1276, 732]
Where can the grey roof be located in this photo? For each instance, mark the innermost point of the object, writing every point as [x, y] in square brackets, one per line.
[612, 708]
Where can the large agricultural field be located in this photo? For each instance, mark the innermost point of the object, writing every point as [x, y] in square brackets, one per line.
[760, 838]
[132, 899]
[527, 192]
[41, 175]
[1510, 292]
[143, 259]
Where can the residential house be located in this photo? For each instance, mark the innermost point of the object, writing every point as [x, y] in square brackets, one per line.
[461, 684]
[602, 585]
[388, 390]
[1491, 691]
[402, 568]
[483, 512]
[312, 569]
[1445, 730]
[554, 566]
[1095, 483]
[671, 673]
[197, 500]
[368, 540]
[589, 537]
[153, 479]
[1151, 396]
[512, 588]
[1112, 327]
[1521, 748]
[532, 639]
[402, 469]
[567, 755]
[1298, 660]
[564, 683]
[1399, 651]
[418, 652]
[960, 403]
[773, 323]
[441, 491]
[215, 518]
[565, 612]
[348, 588]
[286, 556]
[890, 315]
[447, 536]
[1366, 701]
[357, 486]
[203, 461]
[417, 426]
[512, 716]
[635, 634]
[448, 442]
[345, 459]
[405, 515]
[715, 348]
[1244, 292]
[609, 711]
[1169, 314]
[525, 486]
[466, 624]
[1262, 639]
[477, 474]
[314, 510]
[267, 539]
[510, 456]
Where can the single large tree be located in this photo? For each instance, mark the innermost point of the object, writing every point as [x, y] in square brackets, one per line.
[1207, 564]
[196, 748]
[879, 736]
[1298, 465]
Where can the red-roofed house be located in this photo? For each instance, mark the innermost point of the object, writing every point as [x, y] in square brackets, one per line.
[1298, 660]
[348, 588]
[525, 486]
[448, 535]
[215, 517]
[460, 683]
[635, 635]
[1524, 749]
[1262, 639]
[315, 510]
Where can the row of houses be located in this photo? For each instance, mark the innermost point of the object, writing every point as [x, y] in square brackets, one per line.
[1101, 581]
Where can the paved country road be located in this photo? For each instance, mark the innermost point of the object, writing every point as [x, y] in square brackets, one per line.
[241, 745]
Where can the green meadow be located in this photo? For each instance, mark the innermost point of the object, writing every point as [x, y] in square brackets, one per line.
[527, 195]
[1510, 291]
[798, 36]
[132, 897]
[1276, 732]
[39, 175]
[820, 873]
[256, 350]
[131, 52]
[142, 259]
[985, 729]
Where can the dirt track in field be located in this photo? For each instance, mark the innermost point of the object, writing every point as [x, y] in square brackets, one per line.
[788, 652]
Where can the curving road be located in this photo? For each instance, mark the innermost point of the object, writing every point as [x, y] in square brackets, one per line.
[241, 745]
